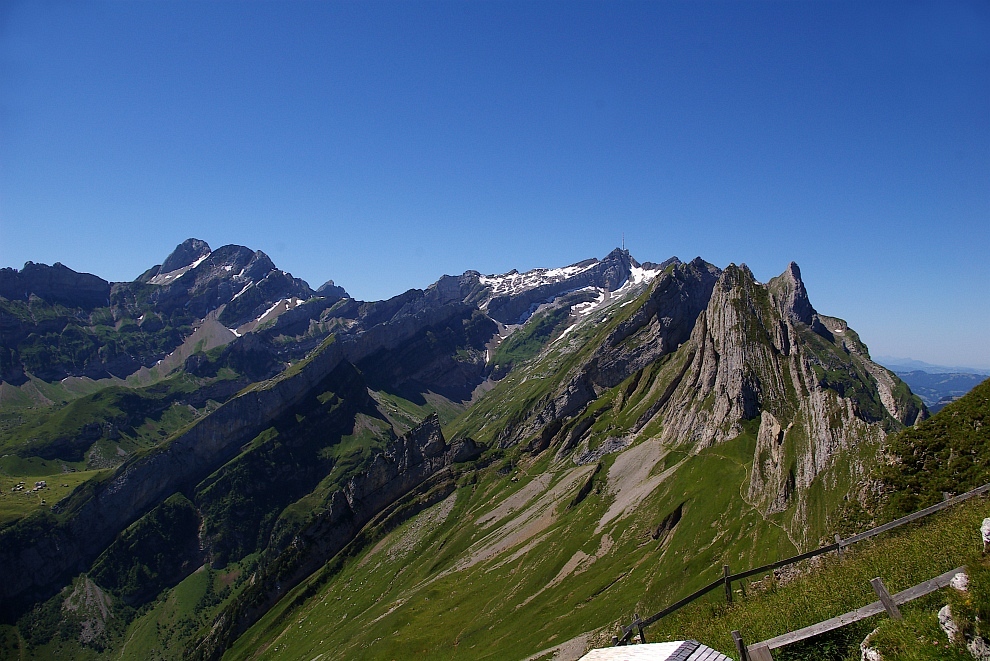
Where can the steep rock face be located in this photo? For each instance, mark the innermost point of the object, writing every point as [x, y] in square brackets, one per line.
[57, 323]
[447, 358]
[410, 461]
[184, 254]
[771, 483]
[763, 352]
[55, 284]
[37, 556]
[655, 330]
[734, 369]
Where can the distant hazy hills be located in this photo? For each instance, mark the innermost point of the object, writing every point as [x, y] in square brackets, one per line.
[937, 385]
[911, 365]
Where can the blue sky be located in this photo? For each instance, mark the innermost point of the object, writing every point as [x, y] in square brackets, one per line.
[385, 144]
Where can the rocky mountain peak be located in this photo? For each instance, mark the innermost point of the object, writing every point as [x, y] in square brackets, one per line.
[791, 295]
[185, 254]
[329, 290]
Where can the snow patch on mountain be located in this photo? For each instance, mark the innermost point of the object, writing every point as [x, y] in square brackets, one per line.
[246, 287]
[588, 307]
[513, 282]
[277, 309]
[582, 311]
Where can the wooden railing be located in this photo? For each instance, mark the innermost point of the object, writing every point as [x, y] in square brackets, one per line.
[888, 602]
[726, 580]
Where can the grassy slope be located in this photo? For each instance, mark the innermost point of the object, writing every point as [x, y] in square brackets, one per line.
[493, 605]
[161, 630]
[949, 452]
[515, 395]
[901, 558]
[168, 624]
[498, 608]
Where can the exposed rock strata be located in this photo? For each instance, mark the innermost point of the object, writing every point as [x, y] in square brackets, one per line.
[762, 351]
[660, 325]
[406, 463]
[35, 565]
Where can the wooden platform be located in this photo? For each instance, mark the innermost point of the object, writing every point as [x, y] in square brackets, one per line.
[680, 650]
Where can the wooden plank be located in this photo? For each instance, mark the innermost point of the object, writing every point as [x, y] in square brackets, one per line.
[885, 599]
[682, 602]
[704, 653]
[784, 562]
[740, 645]
[875, 608]
[826, 626]
[759, 652]
[685, 651]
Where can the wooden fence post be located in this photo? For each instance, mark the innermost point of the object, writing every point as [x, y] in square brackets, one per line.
[639, 625]
[759, 652]
[838, 540]
[740, 646]
[886, 599]
[728, 584]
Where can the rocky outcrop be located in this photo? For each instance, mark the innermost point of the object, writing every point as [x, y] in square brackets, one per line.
[54, 284]
[245, 282]
[447, 358]
[762, 352]
[771, 484]
[407, 463]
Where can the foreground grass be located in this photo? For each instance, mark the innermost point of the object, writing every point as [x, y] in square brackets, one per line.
[902, 558]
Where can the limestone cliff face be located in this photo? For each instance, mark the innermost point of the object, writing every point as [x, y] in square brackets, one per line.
[762, 352]
[771, 482]
[655, 330]
[731, 357]
[420, 457]
[34, 563]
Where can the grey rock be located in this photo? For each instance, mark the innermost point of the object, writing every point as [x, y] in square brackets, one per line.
[54, 284]
[948, 624]
[979, 648]
[184, 254]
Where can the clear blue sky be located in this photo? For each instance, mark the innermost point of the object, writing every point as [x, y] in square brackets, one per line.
[385, 144]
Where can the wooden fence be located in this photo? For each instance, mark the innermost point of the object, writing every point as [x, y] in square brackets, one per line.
[888, 602]
[726, 580]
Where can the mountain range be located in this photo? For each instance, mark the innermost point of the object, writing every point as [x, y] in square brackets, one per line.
[228, 463]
